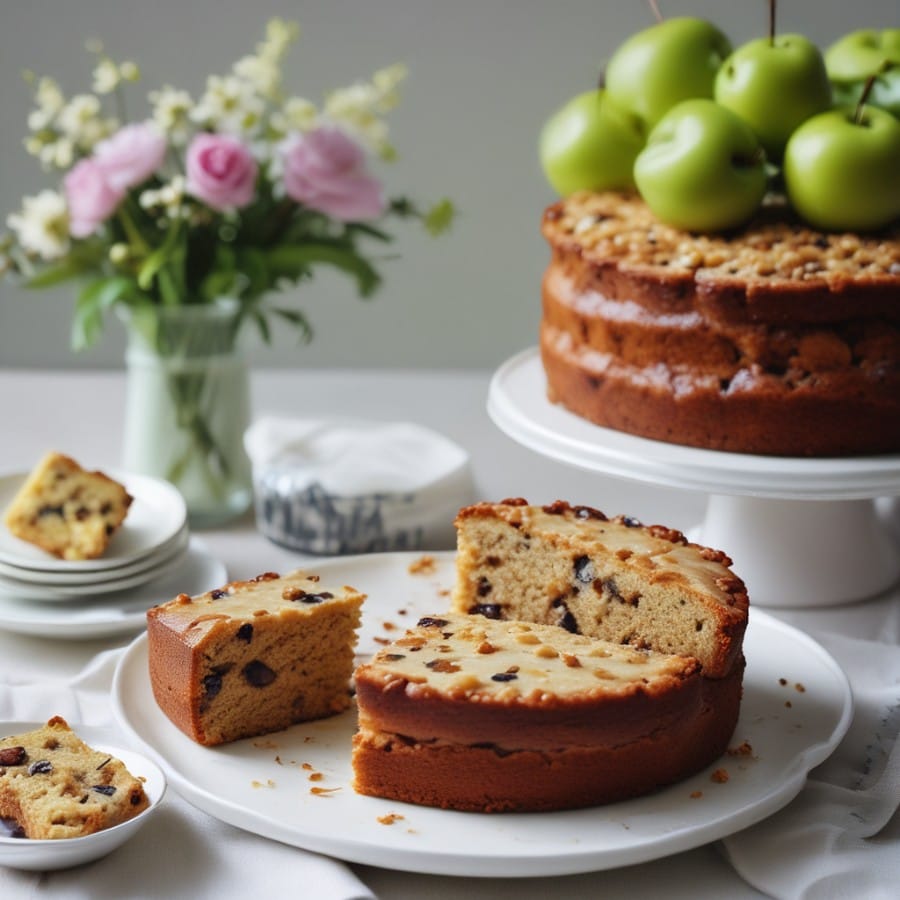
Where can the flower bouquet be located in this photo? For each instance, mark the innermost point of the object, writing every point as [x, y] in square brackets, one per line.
[192, 222]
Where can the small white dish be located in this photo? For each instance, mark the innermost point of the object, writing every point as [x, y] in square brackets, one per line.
[157, 514]
[99, 577]
[63, 853]
[115, 614]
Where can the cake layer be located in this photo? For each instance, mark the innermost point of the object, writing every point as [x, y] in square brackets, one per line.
[613, 579]
[253, 656]
[774, 340]
[583, 722]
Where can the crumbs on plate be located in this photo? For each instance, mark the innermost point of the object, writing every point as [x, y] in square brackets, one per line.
[424, 565]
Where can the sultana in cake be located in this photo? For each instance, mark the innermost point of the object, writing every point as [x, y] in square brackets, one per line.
[53, 785]
[66, 510]
[479, 715]
[253, 656]
[776, 339]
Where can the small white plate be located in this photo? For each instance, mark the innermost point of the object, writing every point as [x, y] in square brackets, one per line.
[156, 515]
[263, 784]
[11, 589]
[113, 614]
[47, 855]
[167, 551]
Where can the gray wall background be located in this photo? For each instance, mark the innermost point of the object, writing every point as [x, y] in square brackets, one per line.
[484, 75]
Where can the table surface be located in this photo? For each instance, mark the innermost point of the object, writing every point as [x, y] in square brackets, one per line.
[81, 413]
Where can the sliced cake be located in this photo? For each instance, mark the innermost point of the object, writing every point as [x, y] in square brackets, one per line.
[66, 510]
[53, 785]
[253, 656]
[475, 714]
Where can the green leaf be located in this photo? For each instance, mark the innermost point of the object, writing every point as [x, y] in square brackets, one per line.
[158, 258]
[440, 217]
[262, 325]
[97, 297]
[298, 320]
[56, 274]
[370, 231]
[252, 264]
[294, 262]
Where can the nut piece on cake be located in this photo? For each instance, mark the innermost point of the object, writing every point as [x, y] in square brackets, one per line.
[253, 656]
[53, 785]
[66, 510]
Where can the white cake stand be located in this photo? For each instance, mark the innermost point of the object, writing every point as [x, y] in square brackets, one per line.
[801, 532]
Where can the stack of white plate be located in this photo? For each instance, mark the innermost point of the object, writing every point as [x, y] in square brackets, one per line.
[150, 559]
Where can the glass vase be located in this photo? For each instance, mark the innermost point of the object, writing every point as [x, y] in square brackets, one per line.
[187, 406]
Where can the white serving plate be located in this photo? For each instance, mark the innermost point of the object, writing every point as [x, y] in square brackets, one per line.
[47, 855]
[261, 784]
[156, 515]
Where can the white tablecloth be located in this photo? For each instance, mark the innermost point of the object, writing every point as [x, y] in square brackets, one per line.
[195, 856]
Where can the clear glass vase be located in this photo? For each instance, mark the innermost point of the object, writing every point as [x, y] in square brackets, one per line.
[187, 406]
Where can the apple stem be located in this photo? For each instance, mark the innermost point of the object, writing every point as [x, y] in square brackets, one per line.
[772, 6]
[654, 6]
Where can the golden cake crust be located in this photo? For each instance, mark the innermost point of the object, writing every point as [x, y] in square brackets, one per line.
[776, 339]
[253, 656]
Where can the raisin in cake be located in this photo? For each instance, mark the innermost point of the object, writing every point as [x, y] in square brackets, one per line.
[475, 714]
[67, 511]
[775, 339]
[53, 785]
[253, 656]
[614, 579]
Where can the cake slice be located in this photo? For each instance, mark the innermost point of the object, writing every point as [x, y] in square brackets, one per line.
[613, 579]
[253, 656]
[53, 785]
[481, 715]
[66, 510]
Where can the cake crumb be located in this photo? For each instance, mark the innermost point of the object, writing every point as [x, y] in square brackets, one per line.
[782, 681]
[265, 745]
[315, 776]
[799, 688]
[388, 626]
[381, 640]
[788, 704]
[390, 818]
[696, 795]
[720, 776]
[424, 565]
[744, 749]
[268, 783]
[323, 792]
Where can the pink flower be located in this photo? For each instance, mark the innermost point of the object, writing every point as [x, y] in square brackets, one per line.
[325, 169]
[220, 171]
[90, 198]
[131, 155]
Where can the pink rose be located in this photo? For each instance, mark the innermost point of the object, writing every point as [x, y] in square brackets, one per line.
[325, 170]
[90, 198]
[220, 171]
[131, 155]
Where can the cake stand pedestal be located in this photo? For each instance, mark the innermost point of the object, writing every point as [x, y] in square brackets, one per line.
[801, 532]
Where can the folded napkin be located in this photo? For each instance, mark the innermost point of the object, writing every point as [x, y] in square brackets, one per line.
[354, 486]
[825, 844]
[181, 852]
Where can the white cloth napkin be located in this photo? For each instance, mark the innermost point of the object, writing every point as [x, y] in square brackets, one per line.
[181, 852]
[825, 845]
[356, 486]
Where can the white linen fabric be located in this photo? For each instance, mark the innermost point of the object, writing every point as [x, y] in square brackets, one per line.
[174, 838]
[825, 844]
[340, 486]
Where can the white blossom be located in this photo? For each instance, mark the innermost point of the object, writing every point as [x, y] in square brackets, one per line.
[230, 104]
[172, 113]
[106, 76]
[80, 120]
[169, 198]
[296, 114]
[42, 225]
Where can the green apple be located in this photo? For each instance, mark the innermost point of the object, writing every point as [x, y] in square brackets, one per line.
[774, 84]
[851, 60]
[842, 169]
[674, 60]
[590, 143]
[857, 55]
[703, 168]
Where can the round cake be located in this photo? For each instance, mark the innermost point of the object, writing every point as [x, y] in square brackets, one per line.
[775, 339]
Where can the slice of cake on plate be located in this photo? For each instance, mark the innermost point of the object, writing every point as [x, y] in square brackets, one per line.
[253, 656]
